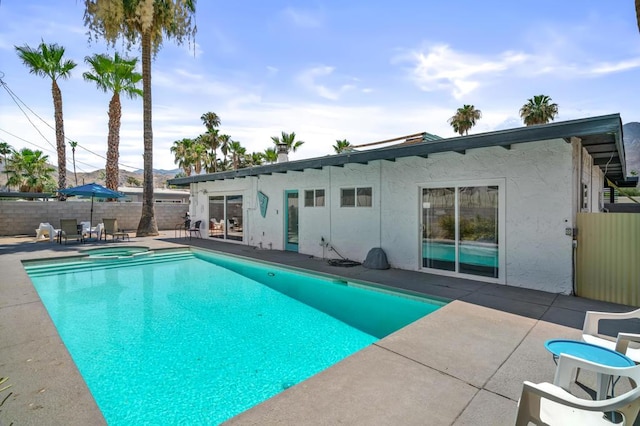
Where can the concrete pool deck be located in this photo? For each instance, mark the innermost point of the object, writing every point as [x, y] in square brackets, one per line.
[462, 365]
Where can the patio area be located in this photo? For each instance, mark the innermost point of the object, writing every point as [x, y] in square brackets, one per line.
[462, 365]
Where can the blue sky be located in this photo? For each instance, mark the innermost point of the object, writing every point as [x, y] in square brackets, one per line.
[357, 70]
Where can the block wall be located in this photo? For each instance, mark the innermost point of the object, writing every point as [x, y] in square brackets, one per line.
[23, 217]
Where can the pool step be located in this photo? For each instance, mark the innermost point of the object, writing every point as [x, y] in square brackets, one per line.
[105, 262]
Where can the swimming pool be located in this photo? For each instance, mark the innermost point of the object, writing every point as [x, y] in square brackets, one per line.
[193, 337]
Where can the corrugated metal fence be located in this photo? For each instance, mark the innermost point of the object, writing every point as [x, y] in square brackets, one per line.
[608, 257]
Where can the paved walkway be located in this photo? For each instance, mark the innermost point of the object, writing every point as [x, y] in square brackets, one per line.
[462, 365]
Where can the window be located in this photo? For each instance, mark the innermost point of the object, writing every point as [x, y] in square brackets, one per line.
[314, 198]
[356, 197]
[460, 229]
[226, 217]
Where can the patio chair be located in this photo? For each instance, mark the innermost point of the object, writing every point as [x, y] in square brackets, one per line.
[195, 229]
[552, 404]
[591, 332]
[111, 228]
[46, 231]
[69, 229]
[184, 226]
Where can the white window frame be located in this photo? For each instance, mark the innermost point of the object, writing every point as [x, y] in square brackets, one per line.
[501, 184]
[315, 197]
[355, 196]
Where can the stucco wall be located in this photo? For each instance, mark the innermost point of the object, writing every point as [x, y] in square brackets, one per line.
[538, 181]
[23, 217]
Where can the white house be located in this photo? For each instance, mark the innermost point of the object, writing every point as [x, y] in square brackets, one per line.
[498, 207]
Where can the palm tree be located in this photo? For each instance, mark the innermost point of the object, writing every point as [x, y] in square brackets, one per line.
[288, 139]
[47, 61]
[211, 121]
[147, 22]
[224, 141]
[5, 149]
[211, 140]
[464, 119]
[538, 110]
[270, 155]
[638, 13]
[73, 153]
[116, 75]
[183, 154]
[209, 161]
[254, 159]
[342, 146]
[198, 155]
[237, 153]
[29, 170]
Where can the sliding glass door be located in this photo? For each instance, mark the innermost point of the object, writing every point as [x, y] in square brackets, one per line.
[460, 229]
[226, 218]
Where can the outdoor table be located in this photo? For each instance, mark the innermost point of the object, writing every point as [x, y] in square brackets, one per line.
[593, 353]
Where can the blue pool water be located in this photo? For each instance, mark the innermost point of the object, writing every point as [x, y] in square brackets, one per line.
[196, 338]
[480, 255]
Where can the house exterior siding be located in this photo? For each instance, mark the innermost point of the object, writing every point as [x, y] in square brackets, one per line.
[538, 179]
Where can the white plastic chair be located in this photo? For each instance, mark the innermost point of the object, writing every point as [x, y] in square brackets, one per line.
[553, 404]
[591, 335]
[45, 230]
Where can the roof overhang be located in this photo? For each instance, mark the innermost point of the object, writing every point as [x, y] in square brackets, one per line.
[601, 136]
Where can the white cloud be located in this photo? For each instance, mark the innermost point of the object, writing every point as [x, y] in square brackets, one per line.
[303, 18]
[441, 68]
[611, 68]
[308, 79]
[271, 71]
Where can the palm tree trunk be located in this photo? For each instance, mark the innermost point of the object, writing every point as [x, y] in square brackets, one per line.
[113, 142]
[60, 145]
[147, 225]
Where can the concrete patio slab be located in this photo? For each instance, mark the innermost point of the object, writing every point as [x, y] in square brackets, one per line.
[375, 386]
[529, 361]
[468, 342]
[519, 307]
[46, 386]
[487, 408]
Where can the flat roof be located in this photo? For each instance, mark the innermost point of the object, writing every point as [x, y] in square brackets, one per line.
[601, 136]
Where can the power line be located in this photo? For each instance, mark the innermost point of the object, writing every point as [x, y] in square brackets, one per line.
[14, 97]
[39, 147]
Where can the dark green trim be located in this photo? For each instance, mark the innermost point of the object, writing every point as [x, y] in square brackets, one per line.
[601, 135]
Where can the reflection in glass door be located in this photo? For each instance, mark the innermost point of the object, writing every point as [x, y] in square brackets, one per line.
[460, 229]
[225, 217]
[291, 220]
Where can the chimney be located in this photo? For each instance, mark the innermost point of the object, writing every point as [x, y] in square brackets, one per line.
[283, 152]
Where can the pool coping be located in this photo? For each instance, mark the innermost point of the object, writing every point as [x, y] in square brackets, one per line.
[463, 364]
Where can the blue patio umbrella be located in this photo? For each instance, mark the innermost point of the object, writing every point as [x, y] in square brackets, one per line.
[92, 190]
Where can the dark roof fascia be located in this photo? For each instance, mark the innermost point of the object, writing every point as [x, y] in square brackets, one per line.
[606, 124]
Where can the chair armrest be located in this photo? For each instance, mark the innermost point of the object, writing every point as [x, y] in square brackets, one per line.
[623, 340]
[592, 317]
[567, 363]
[561, 396]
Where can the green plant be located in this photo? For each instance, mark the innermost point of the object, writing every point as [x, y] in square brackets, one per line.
[471, 229]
